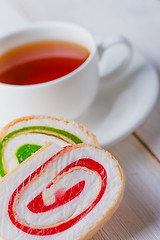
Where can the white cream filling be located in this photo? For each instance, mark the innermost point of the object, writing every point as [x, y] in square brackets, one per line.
[71, 127]
[9, 151]
[66, 211]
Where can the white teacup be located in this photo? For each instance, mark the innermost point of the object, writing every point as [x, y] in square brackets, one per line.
[68, 96]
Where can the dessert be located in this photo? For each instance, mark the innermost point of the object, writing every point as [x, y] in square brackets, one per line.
[60, 193]
[24, 136]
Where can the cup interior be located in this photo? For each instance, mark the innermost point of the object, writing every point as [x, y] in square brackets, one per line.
[50, 31]
[55, 31]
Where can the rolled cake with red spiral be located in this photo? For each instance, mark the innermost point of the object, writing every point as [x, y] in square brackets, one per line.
[60, 193]
[24, 136]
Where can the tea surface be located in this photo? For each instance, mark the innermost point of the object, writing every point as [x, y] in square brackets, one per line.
[40, 62]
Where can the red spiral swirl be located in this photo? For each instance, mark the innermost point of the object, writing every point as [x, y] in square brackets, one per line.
[37, 205]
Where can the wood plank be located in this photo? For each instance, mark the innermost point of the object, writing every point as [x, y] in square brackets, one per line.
[138, 216]
[149, 132]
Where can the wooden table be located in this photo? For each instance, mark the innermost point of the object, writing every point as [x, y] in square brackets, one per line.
[138, 216]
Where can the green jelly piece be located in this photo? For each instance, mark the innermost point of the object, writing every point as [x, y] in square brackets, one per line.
[42, 130]
[2, 172]
[26, 151]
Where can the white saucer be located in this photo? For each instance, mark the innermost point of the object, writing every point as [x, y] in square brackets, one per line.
[121, 106]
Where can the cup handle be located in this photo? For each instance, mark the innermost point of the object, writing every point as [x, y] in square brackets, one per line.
[107, 44]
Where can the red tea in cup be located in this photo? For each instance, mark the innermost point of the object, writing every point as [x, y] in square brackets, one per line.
[40, 62]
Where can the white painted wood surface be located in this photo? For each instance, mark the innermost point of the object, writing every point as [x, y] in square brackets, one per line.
[149, 132]
[138, 217]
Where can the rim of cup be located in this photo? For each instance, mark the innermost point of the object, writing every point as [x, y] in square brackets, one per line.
[45, 24]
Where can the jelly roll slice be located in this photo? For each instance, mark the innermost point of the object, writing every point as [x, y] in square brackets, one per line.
[24, 136]
[60, 194]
